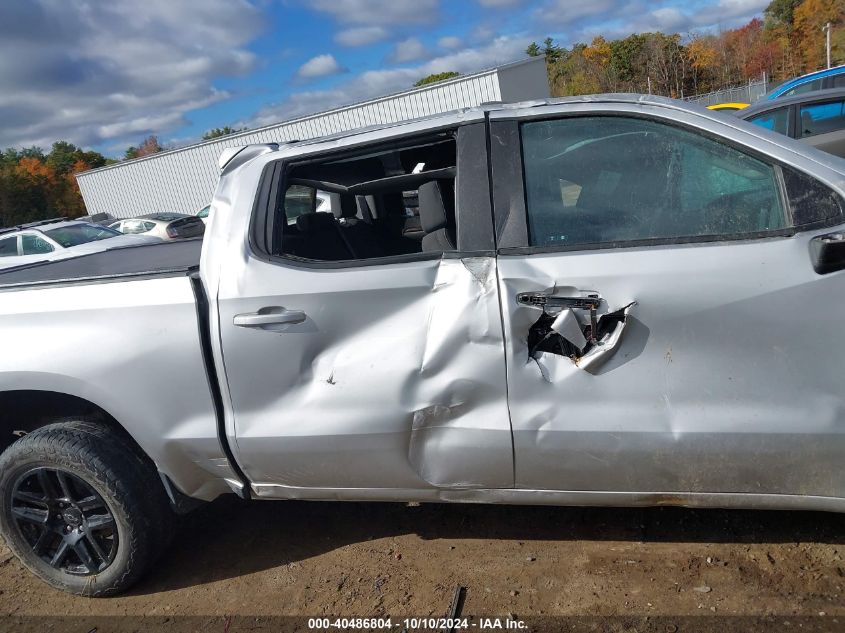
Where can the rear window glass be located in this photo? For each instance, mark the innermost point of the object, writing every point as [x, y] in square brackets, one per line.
[77, 234]
[8, 246]
[809, 86]
[822, 118]
[776, 120]
[35, 245]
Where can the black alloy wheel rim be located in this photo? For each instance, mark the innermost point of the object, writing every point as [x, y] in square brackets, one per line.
[64, 521]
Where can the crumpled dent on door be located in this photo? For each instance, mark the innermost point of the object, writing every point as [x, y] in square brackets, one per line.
[460, 436]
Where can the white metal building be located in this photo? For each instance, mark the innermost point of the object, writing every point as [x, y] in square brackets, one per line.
[183, 180]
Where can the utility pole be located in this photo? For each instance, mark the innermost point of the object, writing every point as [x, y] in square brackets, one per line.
[826, 29]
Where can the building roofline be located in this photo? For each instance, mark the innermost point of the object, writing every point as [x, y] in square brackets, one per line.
[323, 113]
[614, 97]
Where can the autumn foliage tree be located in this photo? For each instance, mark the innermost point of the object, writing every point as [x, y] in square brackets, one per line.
[149, 145]
[808, 19]
[36, 186]
[787, 42]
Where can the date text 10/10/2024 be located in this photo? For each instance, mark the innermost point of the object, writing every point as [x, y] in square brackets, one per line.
[415, 624]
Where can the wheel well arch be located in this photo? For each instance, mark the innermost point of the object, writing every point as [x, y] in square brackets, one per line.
[25, 410]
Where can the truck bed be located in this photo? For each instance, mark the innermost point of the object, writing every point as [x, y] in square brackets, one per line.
[167, 258]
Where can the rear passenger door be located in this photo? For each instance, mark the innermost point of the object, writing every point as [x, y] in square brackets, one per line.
[359, 356]
[666, 330]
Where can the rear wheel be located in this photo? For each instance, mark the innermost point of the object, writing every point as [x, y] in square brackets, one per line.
[78, 511]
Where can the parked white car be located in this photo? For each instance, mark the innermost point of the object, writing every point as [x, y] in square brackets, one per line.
[167, 226]
[56, 239]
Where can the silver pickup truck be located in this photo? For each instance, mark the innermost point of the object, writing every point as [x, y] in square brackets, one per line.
[610, 300]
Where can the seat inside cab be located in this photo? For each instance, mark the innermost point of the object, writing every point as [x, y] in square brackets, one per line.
[378, 202]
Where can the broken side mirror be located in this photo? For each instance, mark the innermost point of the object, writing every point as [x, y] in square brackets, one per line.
[828, 252]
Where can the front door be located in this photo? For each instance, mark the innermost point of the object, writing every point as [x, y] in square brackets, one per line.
[665, 328]
[364, 353]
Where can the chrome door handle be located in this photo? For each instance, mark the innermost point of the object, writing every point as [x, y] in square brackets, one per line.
[543, 301]
[269, 316]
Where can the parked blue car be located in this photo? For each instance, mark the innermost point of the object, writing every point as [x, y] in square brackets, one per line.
[819, 80]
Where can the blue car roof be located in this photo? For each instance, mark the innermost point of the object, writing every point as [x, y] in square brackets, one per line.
[819, 74]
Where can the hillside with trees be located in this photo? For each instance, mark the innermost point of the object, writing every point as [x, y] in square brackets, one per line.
[35, 185]
[788, 41]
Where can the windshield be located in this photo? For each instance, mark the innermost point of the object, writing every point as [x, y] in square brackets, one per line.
[77, 234]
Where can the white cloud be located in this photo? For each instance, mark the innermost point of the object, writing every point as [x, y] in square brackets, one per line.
[563, 12]
[728, 11]
[375, 83]
[669, 19]
[409, 50]
[619, 18]
[320, 66]
[116, 71]
[482, 33]
[361, 36]
[380, 12]
[450, 42]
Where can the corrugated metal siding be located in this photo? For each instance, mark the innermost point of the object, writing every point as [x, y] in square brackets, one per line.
[183, 180]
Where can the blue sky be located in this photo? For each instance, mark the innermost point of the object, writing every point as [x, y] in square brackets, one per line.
[106, 73]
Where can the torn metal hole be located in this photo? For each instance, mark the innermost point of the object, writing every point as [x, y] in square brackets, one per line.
[564, 333]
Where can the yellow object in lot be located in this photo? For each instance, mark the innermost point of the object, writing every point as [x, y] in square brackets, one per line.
[728, 106]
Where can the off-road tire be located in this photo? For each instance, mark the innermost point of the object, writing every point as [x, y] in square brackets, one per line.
[166, 525]
[104, 462]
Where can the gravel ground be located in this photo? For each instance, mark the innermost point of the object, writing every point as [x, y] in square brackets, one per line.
[235, 559]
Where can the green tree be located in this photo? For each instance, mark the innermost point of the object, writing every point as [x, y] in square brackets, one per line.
[552, 51]
[435, 77]
[62, 156]
[217, 132]
[533, 50]
[781, 13]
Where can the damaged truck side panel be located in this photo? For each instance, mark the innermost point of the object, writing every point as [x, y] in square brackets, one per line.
[395, 377]
[720, 376]
[699, 396]
[600, 300]
[606, 300]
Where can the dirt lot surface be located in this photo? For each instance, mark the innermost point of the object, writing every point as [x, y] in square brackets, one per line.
[233, 558]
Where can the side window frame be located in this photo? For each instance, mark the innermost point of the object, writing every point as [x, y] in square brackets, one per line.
[17, 242]
[473, 202]
[510, 203]
[790, 120]
[799, 107]
[36, 235]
